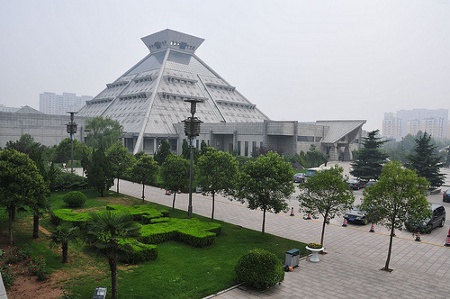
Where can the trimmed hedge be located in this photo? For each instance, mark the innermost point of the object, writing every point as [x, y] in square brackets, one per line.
[142, 213]
[260, 269]
[131, 251]
[192, 232]
[67, 215]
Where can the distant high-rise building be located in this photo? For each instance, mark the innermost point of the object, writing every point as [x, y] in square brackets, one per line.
[51, 103]
[404, 122]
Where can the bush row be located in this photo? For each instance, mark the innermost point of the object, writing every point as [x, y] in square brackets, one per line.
[131, 251]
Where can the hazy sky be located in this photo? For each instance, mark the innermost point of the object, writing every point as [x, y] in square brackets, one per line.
[296, 60]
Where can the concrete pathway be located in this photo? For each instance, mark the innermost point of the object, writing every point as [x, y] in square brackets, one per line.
[351, 267]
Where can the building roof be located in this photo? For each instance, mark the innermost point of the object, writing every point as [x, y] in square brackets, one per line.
[151, 96]
[338, 129]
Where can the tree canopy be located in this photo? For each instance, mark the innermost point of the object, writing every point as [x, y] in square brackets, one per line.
[102, 132]
[121, 160]
[370, 158]
[265, 183]
[217, 172]
[21, 184]
[175, 175]
[398, 195]
[326, 193]
[99, 172]
[426, 161]
[145, 170]
[163, 152]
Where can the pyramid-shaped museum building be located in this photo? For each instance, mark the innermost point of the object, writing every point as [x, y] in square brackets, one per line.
[153, 97]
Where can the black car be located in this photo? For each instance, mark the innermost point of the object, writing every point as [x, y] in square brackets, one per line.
[437, 220]
[446, 196]
[355, 184]
[356, 216]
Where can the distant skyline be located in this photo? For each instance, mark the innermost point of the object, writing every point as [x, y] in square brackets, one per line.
[296, 60]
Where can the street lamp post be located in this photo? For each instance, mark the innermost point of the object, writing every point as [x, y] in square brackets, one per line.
[191, 129]
[71, 129]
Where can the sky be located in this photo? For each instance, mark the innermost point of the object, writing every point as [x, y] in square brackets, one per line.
[299, 60]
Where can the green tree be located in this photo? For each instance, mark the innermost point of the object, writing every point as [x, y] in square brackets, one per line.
[121, 160]
[145, 170]
[217, 171]
[63, 234]
[175, 175]
[312, 158]
[105, 230]
[99, 172]
[21, 184]
[63, 151]
[102, 132]
[163, 152]
[426, 161]
[33, 149]
[265, 183]
[370, 158]
[398, 195]
[326, 193]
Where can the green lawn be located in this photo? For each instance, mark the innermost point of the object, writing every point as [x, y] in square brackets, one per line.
[180, 271]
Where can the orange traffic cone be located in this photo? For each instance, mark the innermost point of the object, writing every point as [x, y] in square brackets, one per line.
[372, 228]
[447, 242]
[417, 237]
[292, 212]
[345, 223]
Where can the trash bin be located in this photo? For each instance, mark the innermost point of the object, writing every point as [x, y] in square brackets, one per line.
[292, 257]
[99, 293]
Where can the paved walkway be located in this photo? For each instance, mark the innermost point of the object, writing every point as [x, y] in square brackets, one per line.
[351, 267]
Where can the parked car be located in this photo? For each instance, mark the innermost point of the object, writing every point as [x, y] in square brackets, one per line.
[370, 183]
[356, 216]
[299, 177]
[437, 219]
[446, 196]
[355, 184]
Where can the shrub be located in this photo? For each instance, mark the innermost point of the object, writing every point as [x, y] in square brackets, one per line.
[15, 255]
[67, 215]
[7, 275]
[259, 269]
[74, 199]
[37, 266]
[132, 251]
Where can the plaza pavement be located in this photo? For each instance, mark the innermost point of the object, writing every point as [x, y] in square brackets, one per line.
[351, 267]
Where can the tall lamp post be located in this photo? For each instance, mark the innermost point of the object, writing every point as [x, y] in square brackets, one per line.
[191, 129]
[71, 129]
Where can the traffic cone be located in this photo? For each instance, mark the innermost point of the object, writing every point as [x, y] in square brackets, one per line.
[447, 242]
[372, 228]
[292, 212]
[417, 237]
[345, 223]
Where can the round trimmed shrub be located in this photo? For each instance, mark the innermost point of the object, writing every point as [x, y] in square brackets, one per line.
[74, 199]
[259, 269]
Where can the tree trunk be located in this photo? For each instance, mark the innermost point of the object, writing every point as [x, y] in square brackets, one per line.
[212, 212]
[264, 221]
[10, 221]
[143, 195]
[113, 267]
[117, 186]
[391, 237]
[173, 202]
[36, 225]
[323, 228]
[65, 249]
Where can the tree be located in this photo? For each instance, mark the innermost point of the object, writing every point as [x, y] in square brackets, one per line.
[312, 158]
[21, 184]
[217, 171]
[104, 231]
[63, 234]
[326, 193]
[370, 158]
[102, 132]
[120, 159]
[426, 161]
[63, 151]
[163, 152]
[175, 175]
[99, 172]
[398, 195]
[33, 149]
[145, 170]
[265, 183]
